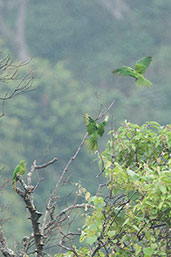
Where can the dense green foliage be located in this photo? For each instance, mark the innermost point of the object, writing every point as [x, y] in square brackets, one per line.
[133, 219]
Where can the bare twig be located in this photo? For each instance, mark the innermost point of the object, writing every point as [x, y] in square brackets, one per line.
[103, 114]
[23, 87]
[6, 251]
[35, 166]
[46, 164]
[10, 71]
[50, 201]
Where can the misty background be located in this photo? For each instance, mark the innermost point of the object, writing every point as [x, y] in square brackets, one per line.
[73, 46]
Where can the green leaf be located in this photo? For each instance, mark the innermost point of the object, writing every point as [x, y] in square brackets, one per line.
[160, 205]
[137, 248]
[99, 202]
[142, 64]
[134, 195]
[131, 173]
[108, 164]
[163, 189]
[135, 227]
[111, 233]
[91, 240]
[126, 222]
[100, 164]
[148, 251]
[133, 147]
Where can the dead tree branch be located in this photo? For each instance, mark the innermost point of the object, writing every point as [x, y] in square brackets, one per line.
[6, 251]
[27, 196]
[13, 79]
[4, 248]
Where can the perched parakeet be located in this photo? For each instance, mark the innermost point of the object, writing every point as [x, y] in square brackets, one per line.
[140, 68]
[20, 169]
[94, 130]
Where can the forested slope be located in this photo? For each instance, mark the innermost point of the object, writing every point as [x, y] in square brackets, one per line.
[74, 46]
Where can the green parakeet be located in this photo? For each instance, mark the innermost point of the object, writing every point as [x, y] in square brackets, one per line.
[140, 68]
[94, 130]
[20, 169]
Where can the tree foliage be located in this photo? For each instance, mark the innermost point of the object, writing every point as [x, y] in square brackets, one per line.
[134, 218]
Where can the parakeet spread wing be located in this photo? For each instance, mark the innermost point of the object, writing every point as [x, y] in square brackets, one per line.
[125, 71]
[142, 64]
[94, 130]
[102, 126]
[140, 68]
[90, 124]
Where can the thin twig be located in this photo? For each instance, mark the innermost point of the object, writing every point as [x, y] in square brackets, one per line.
[46, 164]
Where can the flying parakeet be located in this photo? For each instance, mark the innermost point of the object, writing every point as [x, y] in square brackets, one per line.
[20, 169]
[94, 130]
[140, 68]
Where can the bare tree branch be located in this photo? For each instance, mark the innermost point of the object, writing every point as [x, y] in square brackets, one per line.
[46, 164]
[6, 251]
[27, 196]
[9, 71]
